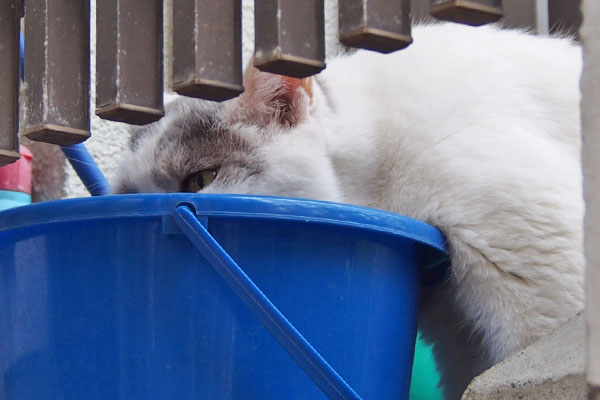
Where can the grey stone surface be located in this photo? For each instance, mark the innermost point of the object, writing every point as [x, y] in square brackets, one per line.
[590, 85]
[552, 368]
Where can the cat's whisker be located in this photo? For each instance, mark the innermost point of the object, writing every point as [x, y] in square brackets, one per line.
[80, 161]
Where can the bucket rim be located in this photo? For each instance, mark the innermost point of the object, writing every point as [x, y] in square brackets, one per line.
[223, 206]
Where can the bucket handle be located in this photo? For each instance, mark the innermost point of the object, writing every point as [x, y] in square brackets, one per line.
[315, 366]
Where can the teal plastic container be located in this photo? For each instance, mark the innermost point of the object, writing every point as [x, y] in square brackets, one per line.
[209, 297]
[425, 380]
[10, 199]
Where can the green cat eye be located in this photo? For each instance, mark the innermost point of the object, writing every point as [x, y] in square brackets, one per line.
[199, 180]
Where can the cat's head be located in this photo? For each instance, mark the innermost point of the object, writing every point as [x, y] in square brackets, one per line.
[268, 141]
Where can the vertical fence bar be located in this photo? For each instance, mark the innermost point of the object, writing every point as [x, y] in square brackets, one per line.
[207, 48]
[590, 118]
[57, 71]
[289, 36]
[541, 17]
[9, 84]
[379, 25]
[419, 10]
[129, 64]
[470, 12]
[519, 14]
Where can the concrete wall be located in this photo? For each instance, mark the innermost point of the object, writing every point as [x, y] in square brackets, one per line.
[590, 85]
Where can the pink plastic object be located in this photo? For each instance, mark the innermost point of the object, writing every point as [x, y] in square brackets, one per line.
[16, 177]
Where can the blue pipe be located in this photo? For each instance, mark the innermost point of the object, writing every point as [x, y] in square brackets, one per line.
[22, 67]
[86, 168]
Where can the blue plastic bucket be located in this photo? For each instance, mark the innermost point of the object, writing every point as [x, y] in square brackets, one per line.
[130, 297]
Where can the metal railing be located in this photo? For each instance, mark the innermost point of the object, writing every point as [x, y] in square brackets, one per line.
[207, 62]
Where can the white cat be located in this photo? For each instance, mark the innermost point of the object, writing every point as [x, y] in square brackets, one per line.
[473, 130]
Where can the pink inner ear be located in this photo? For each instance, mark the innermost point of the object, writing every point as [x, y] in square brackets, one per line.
[270, 97]
[292, 85]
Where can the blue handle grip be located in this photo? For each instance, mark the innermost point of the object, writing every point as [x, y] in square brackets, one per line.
[315, 366]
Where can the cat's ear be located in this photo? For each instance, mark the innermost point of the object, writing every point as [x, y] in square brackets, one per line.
[270, 98]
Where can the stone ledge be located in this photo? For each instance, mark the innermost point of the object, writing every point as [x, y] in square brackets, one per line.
[552, 368]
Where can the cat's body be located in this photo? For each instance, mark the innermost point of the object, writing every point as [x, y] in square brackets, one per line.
[475, 131]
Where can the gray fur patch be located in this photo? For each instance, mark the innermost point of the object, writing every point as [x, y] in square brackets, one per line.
[126, 187]
[194, 135]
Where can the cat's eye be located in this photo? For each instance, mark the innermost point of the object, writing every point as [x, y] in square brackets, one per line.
[199, 180]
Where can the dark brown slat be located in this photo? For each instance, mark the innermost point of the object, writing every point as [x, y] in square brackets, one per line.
[419, 10]
[565, 16]
[57, 71]
[9, 84]
[207, 48]
[289, 37]
[519, 14]
[470, 12]
[129, 68]
[379, 25]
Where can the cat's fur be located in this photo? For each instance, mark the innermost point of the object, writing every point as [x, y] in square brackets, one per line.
[473, 130]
